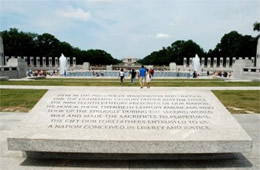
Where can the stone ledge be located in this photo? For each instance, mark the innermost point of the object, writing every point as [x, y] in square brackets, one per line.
[42, 132]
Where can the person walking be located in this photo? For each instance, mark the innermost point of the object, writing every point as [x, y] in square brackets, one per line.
[148, 77]
[133, 75]
[151, 72]
[141, 75]
[122, 76]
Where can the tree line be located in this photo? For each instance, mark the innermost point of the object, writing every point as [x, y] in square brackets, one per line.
[232, 44]
[18, 43]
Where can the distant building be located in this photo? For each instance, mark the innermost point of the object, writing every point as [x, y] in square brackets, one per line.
[129, 61]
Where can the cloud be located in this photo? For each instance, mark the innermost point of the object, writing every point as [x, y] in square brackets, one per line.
[162, 36]
[133, 27]
[77, 13]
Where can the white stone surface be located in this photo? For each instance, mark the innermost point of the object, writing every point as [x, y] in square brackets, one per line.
[127, 120]
[12, 62]
[173, 66]
[239, 73]
[86, 66]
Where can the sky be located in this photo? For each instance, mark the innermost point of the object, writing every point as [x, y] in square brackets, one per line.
[131, 28]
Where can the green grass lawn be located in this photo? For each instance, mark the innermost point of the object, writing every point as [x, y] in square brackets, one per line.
[236, 101]
[19, 100]
[116, 82]
[240, 101]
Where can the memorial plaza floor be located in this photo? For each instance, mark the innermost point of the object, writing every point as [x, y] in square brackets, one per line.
[16, 160]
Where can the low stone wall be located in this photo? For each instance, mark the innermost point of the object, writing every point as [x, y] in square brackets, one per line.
[249, 73]
[13, 72]
[10, 72]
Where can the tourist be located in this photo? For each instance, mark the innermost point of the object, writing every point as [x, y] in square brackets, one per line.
[225, 74]
[141, 76]
[195, 74]
[229, 74]
[121, 75]
[148, 78]
[29, 73]
[133, 75]
[151, 72]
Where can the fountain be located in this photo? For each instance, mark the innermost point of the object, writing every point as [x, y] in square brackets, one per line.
[196, 64]
[63, 65]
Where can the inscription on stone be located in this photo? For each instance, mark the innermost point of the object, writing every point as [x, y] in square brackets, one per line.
[129, 112]
[130, 120]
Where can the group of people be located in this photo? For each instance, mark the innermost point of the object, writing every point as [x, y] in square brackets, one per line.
[36, 73]
[222, 74]
[145, 76]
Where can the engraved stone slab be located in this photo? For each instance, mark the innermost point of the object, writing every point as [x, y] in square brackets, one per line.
[128, 121]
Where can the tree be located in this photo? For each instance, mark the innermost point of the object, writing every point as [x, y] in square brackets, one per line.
[96, 56]
[18, 43]
[185, 49]
[29, 44]
[48, 45]
[174, 53]
[257, 26]
[66, 49]
[234, 44]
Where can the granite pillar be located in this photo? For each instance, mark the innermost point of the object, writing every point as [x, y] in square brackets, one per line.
[190, 63]
[208, 62]
[38, 64]
[25, 59]
[221, 63]
[32, 61]
[233, 60]
[227, 62]
[44, 61]
[74, 62]
[184, 62]
[56, 62]
[215, 62]
[253, 59]
[50, 62]
[6, 59]
[202, 62]
[68, 61]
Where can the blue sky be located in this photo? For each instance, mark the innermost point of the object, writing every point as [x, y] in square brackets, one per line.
[131, 28]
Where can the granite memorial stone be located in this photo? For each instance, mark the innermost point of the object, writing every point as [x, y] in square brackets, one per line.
[130, 121]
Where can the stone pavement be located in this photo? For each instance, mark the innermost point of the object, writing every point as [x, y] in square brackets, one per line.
[13, 160]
